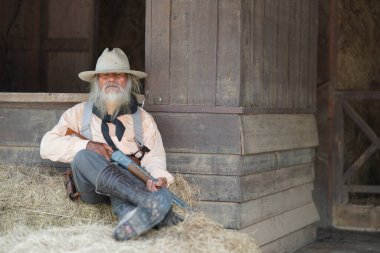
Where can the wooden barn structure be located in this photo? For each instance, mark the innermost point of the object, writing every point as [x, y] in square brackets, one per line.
[233, 86]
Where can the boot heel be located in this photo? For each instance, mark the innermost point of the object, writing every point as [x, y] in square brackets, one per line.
[150, 211]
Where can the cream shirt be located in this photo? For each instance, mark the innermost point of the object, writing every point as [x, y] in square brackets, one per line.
[56, 146]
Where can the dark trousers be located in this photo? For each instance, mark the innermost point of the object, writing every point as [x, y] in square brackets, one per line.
[86, 167]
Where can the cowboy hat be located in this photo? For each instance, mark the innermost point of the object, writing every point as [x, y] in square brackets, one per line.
[114, 61]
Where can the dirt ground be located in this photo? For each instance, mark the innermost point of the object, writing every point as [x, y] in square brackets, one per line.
[340, 241]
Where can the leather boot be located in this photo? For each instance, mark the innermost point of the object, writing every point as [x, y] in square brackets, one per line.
[150, 211]
[121, 208]
[113, 183]
[171, 218]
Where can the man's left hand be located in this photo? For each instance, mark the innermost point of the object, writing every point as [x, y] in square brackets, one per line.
[155, 186]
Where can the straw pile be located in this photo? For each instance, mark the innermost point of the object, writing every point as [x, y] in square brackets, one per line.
[35, 216]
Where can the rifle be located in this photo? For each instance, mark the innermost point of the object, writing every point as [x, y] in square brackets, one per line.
[132, 165]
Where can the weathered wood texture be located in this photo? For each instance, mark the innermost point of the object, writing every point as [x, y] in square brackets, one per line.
[278, 53]
[235, 165]
[265, 133]
[232, 53]
[353, 217]
[292, 241]
[281, 225]
[244, 214]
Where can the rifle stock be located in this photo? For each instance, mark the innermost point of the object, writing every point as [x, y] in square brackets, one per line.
[134, 167]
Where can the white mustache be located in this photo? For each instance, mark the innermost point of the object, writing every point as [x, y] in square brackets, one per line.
[111, 84]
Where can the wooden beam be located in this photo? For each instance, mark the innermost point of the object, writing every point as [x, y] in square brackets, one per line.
[361, 123]
[355, 217]
[338, 154]
[357, 95]
[19, 97]
[359, 162]
[363, 188]
[226, 109]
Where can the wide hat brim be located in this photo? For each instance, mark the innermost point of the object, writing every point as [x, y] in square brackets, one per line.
[88, 76]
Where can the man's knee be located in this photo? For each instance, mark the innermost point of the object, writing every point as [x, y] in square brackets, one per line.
[81, 156]
[88, 158]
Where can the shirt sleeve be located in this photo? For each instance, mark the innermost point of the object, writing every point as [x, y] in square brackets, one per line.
[154, 161]
[56, 145]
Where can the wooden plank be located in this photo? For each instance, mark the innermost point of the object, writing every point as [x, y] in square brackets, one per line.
[228, 61]
[213, 187]
[225, 213]
[313, 53]
[283, 55]
[199, 133]
[265, 133]
[270, 52]
[179, 51]
[363, 188]
[27, 156]
[241, 215]
[259, 163]
[247, 21]
[19, 97]
[293, 241]
[25, 127]
[269, 161]
[304, 54]
[158, 86]
[235, 165]
[206, 164]
[294, 157]
[257, 210]
[76, 17]
[262, 184]
[225, 109]
[281, 225]
[354, 217]
[294, 53]
[257, 55]
[202, 52]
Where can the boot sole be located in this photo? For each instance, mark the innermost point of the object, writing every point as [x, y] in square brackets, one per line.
[150, 211]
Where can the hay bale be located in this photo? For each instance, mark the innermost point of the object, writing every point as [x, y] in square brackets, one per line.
[35, 197]
[196, 234]
[36, 216]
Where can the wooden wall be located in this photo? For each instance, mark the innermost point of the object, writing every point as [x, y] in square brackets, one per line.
[250, 53]
[232, 87]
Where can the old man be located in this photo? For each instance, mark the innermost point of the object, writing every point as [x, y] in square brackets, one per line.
[108, 121]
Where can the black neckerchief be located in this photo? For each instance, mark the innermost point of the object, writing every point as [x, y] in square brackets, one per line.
[120, 128]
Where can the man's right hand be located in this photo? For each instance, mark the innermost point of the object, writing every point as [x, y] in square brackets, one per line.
[100, 148]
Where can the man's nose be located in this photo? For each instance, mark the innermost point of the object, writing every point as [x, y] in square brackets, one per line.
[111, 78]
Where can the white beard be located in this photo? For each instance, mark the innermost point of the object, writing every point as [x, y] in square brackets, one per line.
[101, 99]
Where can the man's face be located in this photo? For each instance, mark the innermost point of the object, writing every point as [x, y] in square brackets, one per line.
[112, 82]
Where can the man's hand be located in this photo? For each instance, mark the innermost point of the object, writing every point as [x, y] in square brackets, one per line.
[152, 186]
[100, 148]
